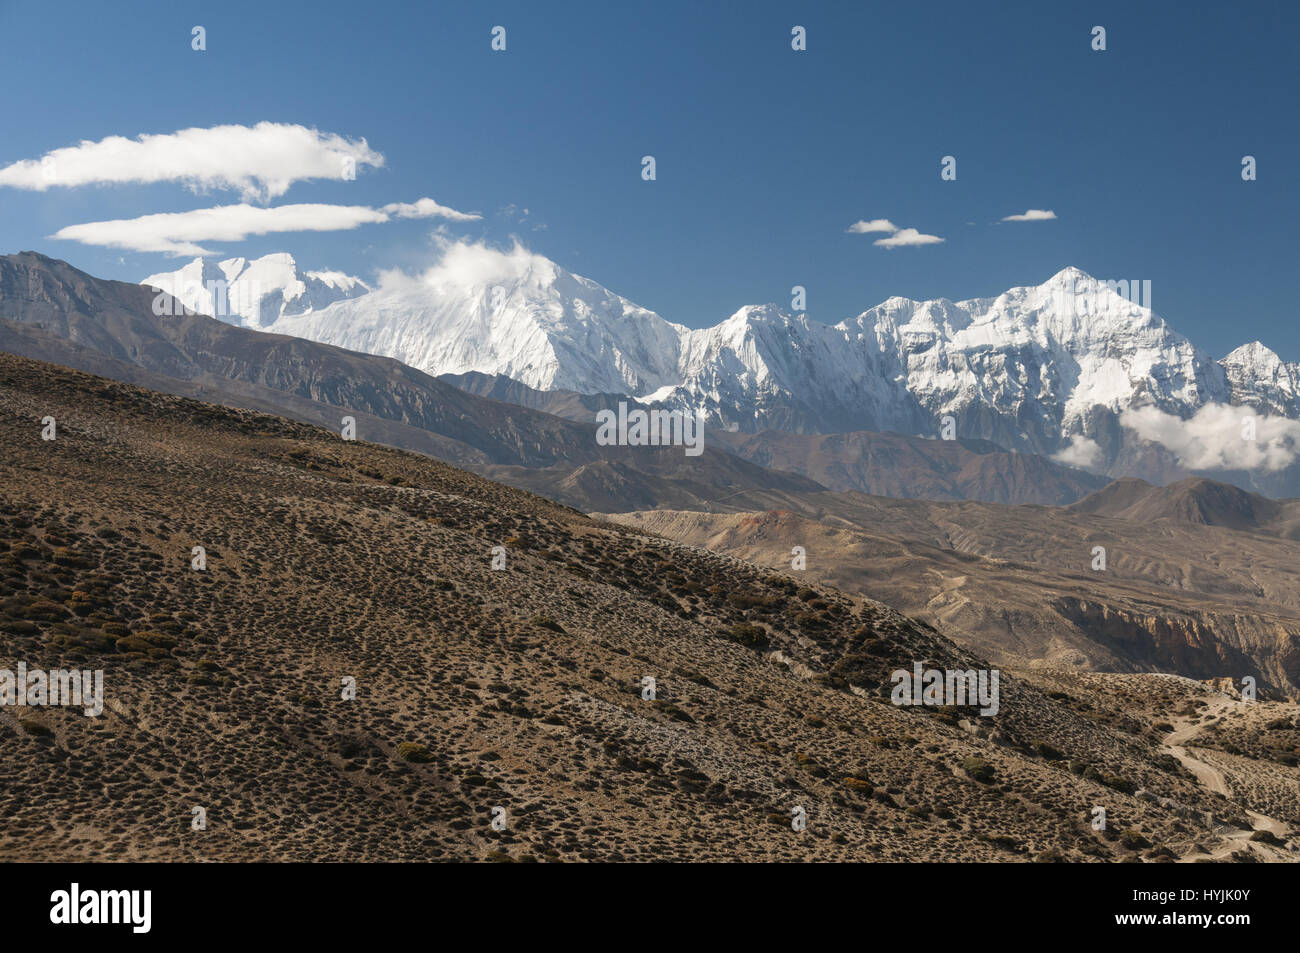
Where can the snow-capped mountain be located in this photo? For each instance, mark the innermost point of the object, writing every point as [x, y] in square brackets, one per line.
[763, 368]
[1059, 368]
[255, 293]
[515, 314]
[1274, 385]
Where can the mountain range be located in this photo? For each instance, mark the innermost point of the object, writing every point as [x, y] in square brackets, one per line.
[1199, 581]
[1074, 368]
[51, 311]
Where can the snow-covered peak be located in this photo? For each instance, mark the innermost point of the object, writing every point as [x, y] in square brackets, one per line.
[1253, 356]
[504, 312]
[338, 280]
[255, 293]
[1261, 379]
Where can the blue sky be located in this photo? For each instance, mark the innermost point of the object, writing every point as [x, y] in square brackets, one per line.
[764, 156]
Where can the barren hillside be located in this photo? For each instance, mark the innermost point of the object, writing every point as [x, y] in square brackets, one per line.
[478, 688]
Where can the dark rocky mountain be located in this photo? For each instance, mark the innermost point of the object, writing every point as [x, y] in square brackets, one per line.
[563, 403]
[883, 464]
[892, 464]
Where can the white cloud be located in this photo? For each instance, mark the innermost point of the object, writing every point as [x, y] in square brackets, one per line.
[179, 233]
[464, 264]
[427, 208]
[862, 227]
[1213, 438]
[475, 264]
[1032, 215]
[261, 161]
[1081, 452]
[905, 237]
[898, 237]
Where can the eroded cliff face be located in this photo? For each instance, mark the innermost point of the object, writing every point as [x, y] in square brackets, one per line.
[1200, 644]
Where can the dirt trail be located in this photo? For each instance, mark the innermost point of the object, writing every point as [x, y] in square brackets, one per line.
[1210, 777]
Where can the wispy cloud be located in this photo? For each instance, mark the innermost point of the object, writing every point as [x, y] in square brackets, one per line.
[898, 237]
[261, 162]
[905, 237]
[179, 233]
[520, 216]
[427, 208]
[863, 227]
[1031, 215]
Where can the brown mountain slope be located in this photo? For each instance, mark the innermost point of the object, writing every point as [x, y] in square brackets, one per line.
[476, 688]
[1194, 500]
[891, 464]
[1017, 583]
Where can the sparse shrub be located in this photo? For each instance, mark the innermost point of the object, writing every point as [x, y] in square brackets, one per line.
[749, 635]
[45, 610]
[34, 727]
[979, 770]
[1000, 841]
[1267, 837]
[860, 785]
[672, 711]
[1133, 840]
[413, 752]
[1044, 750]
